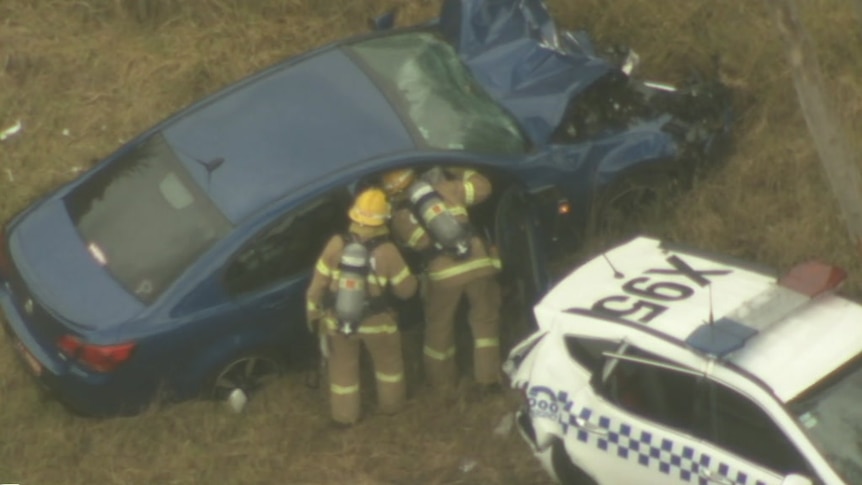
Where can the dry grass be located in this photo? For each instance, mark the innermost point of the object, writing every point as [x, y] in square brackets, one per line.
[106, 69]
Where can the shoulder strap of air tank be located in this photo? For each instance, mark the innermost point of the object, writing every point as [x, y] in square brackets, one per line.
[414, 209]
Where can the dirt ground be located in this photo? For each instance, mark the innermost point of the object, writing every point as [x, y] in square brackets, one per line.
[84, 76]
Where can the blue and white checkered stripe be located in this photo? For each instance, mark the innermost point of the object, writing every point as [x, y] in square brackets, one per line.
[650, 450]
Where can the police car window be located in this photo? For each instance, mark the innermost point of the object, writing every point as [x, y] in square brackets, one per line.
[588, 352]
[740, 426]
[663, 395]
[289, 246]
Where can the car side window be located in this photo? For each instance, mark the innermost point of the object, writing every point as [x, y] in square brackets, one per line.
[661, 394]
[289, 246]
[588, 351]
[737, 424]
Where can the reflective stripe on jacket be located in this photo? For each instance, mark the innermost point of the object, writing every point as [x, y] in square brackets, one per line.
[465, 189]
[388, 272]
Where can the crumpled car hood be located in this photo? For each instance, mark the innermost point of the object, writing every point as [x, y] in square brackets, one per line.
[513, 49]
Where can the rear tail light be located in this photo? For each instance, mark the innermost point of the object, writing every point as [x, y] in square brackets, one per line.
[99, 358]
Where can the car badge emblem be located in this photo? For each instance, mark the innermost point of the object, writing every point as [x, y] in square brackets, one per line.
[28, 306]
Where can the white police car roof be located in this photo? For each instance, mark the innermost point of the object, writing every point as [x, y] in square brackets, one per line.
[720, 307]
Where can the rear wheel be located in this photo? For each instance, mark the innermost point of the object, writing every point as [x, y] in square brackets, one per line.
[242, 376]
[643, 194]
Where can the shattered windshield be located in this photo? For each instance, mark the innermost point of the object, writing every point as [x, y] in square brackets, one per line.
[144, 218]
[436, 91]
[832, 417]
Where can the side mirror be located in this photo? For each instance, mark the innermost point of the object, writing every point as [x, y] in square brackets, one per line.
[796, 479]
[384, 21]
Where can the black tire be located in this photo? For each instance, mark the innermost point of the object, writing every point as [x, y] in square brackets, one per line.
[567, 472]
[642, 194]
[249, 372]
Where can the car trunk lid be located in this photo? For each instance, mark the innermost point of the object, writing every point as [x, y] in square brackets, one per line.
[56, 277]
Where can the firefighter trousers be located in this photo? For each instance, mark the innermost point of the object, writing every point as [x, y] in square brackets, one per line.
[383, 341]
[441, 303]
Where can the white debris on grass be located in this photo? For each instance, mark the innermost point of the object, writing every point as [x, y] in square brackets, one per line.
[467, 465]
[66, 132]
[9, 174]
[11, 130]
[237, 400]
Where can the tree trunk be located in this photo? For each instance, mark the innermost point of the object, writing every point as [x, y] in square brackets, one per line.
[833, 147]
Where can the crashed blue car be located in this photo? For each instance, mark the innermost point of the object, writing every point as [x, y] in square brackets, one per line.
[177, 266]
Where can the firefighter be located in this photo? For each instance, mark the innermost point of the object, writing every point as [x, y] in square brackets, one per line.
[430, 216]
[347, 301]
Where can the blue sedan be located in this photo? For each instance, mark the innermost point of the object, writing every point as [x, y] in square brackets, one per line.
[177, 266]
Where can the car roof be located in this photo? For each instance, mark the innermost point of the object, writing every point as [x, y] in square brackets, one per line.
[285, 128]
[732, 311]
[305, 119]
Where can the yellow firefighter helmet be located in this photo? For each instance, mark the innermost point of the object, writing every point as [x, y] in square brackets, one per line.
[371, 208]
[396, 181]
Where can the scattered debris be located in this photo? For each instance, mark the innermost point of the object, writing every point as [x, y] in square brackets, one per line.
[66, 132]
[631, 62]
[236, 400]
[467, 465]
[504, 427]
[76, 169]
[9, 174]
[7, 132]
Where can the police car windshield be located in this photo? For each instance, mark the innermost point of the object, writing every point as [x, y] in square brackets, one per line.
[832, 417]
[430, 86]
[144, 219]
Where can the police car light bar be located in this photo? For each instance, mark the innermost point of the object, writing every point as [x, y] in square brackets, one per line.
[813, 278]
[795, 289]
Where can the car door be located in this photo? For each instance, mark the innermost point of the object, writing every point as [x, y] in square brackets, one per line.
[735, 423]
[268, 276]
[641, 422]
[522, 244]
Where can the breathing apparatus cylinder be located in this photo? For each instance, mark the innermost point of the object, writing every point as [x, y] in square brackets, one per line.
[448, 233]
[352, 295]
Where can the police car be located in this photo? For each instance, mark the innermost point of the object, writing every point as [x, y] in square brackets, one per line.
[655, 363]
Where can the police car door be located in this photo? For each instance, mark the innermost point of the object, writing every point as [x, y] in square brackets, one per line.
[733, 421]
[643, 424]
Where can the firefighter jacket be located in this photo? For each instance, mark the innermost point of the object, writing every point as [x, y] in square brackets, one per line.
[388, 272]
[466, 188]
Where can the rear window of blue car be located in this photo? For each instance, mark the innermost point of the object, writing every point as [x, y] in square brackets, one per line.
[144, 219]
[430, 86]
